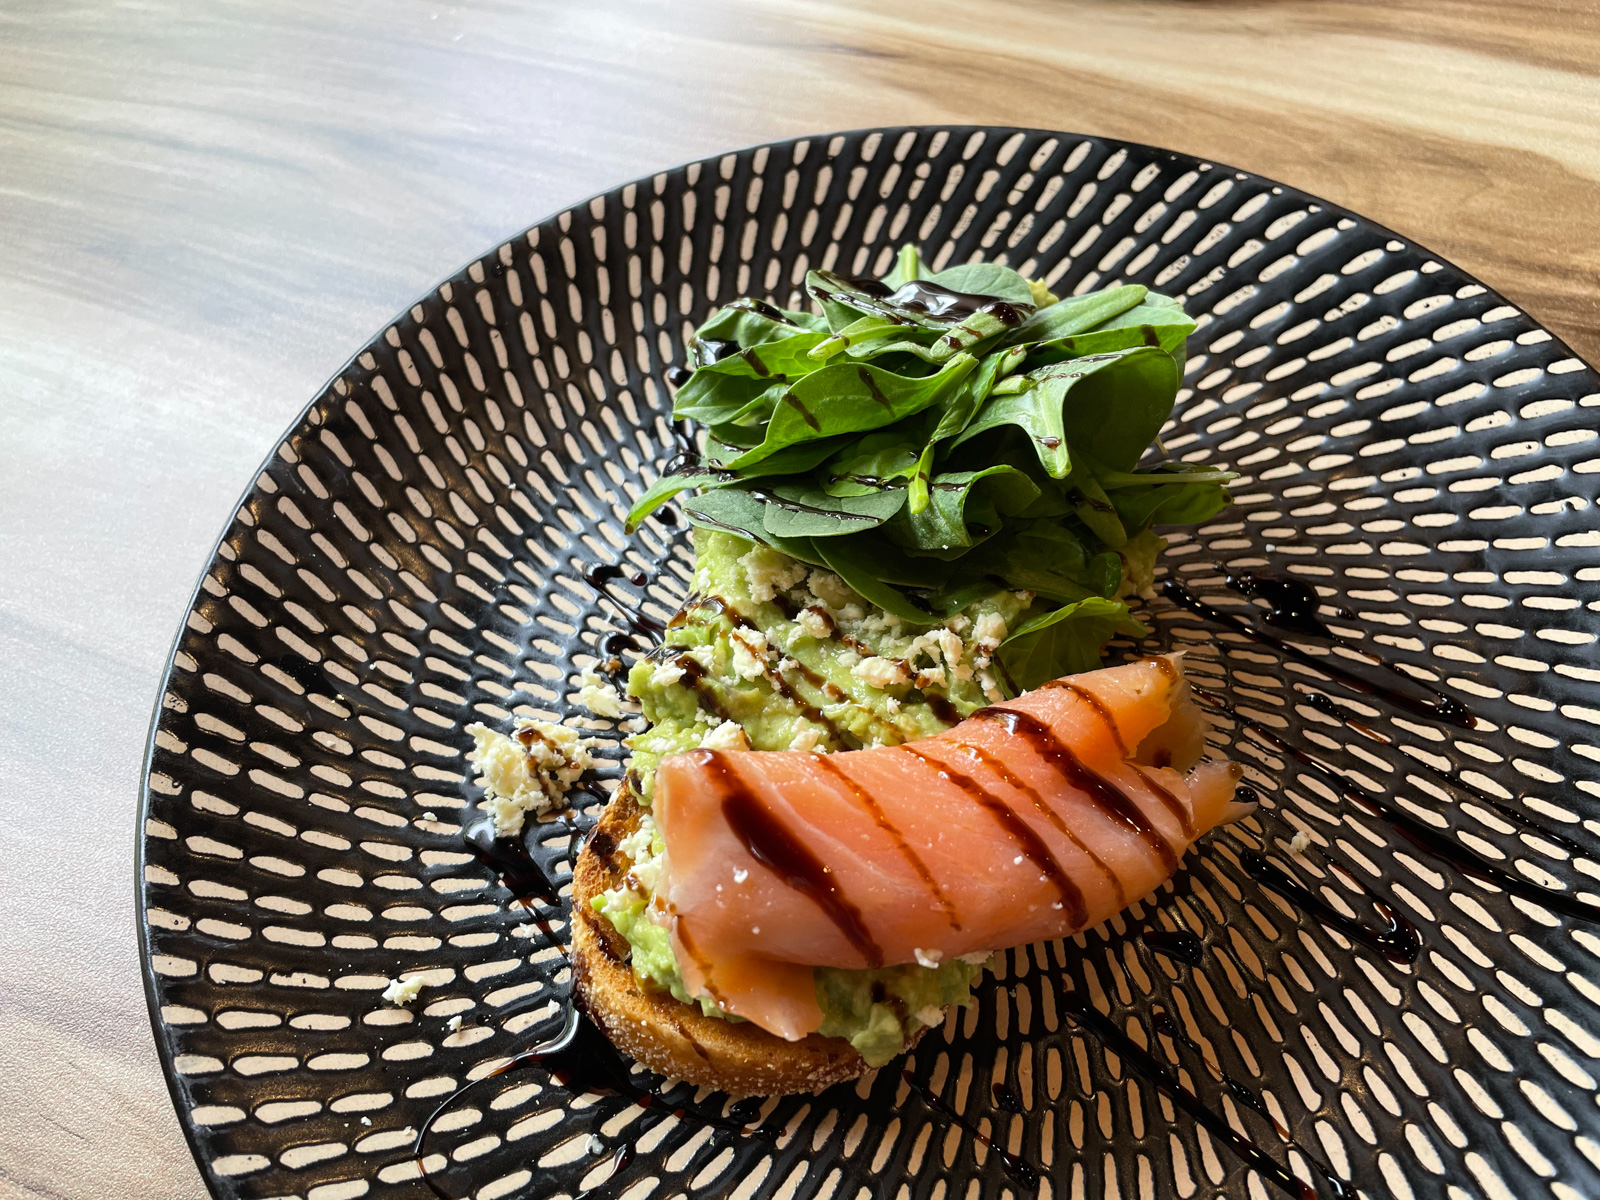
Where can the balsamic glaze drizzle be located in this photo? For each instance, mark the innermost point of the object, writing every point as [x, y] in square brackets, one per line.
[1420, 834]
[1023, 1171]
[1167, 1083]
[1177, 944]
[1398, 940]
[1436, 705]
[1326, 705]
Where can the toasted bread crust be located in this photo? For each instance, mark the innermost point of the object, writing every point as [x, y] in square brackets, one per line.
[671, 1038]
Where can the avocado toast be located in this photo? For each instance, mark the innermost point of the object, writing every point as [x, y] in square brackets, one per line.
[915, 505]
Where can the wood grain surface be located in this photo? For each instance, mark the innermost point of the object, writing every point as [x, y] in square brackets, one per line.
[204, 209]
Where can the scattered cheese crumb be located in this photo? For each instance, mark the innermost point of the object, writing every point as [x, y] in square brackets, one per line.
[806, 736]
[727, 736]
[531, 779]
[428, 816]
[666, 675]
[930, 1015]
[640, 848]
[928, 958]
[976, 958]
[769, 572]
[991, 689]
[931, 677]
[830, 589]
[881, 672]
[595, 1145]
[815, 622]
[1301, 842]
[749, 653]
[366, 1120]
[990, 630]
[454, 1023]
[402, 992]
[597, 695]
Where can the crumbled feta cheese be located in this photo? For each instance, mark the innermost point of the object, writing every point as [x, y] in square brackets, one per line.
[830, 589]
[928, 958]
[806, 736]
[930, 1015]
[727, 736]
[931, 677]
[959, 623]
[1301, 842]
[769, 572]
[990, 630]
[597, 695]
[977, 958]
[454, 1023]
[740, 874]
[366, 1120]
[787, 665]
[402, 992]
[991, 689]
[640, 848]
[892, 706]
[526, 774]
[815, 622]
[666, 674]
[706, 656]
[852, 612]
[881, 672]
[749, 653]
[951, 646]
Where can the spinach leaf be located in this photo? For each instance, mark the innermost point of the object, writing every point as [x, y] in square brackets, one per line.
[1094, 508]
[794, 460]
[668, 486]
[966, 508]
[1046, 557]
[1143, 325]
[715, 397]
[849, 398]
[750, 322]
[1064, 642]
[735, 510]
[859, 334]
[907, 266]
[795, 510]
[1076, 314]
[1103, 401]
[871, 464]
[957, 411]
[1175, 503]
[780, 358]
[849, 559]
[986, 279]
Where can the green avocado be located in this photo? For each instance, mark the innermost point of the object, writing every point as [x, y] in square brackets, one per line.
[773, 654]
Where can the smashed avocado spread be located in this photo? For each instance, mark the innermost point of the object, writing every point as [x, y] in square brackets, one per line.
[771, 654]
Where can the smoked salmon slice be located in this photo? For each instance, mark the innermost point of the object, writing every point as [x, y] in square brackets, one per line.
[1031, 819]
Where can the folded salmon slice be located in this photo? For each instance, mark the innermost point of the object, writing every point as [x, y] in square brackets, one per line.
[1032, 819]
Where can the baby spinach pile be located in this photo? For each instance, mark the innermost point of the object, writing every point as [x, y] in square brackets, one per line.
[930, 437]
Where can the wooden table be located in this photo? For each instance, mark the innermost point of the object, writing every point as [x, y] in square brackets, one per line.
[204, 210]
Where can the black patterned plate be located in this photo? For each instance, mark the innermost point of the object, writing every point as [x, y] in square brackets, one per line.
[410, 558]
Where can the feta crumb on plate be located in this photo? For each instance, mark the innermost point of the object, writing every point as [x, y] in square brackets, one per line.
[528, 773]
[402, 992]
[1301, 841]
[597, 695]
[927, 958]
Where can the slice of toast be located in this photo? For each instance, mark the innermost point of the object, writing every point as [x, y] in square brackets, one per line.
[669, 1037]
